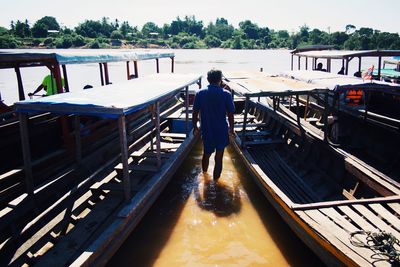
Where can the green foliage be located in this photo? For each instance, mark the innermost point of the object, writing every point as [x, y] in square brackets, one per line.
[50, 22]
[64, 42]
[78, 40]
[39, 30]
[22, 29]
[212, 41]
[94, 44]
[117, 35]
[3, 31]
[48, 42]
[149, 29]
[7, 41]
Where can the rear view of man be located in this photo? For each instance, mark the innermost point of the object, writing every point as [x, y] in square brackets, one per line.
[214, 104]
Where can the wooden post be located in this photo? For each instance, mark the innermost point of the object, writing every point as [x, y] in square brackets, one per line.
[290, 101]
[359, 64]
[158, 135]
[78, 144]
[66, 84]
[57, 77]
[172, 64]
[347, 66]
[21, 93]
[124, 157]
[306, 63]
[128, 73]
[101, 74]
[246, 109]
[135, 66]
[106, 73]
[157, 65]
[297, 109]
[187, 111]
[26, 151]
[298, 63]
[291, 62]
[326, 113]
[379, 67]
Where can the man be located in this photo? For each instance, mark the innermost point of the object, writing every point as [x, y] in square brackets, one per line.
[214, 104]
[49, 85]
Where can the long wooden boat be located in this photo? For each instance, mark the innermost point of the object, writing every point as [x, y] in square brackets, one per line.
[81, 214]
[368, 132]
[335, 204]
[50, 133]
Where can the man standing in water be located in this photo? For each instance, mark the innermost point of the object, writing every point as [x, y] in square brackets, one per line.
[214, 104]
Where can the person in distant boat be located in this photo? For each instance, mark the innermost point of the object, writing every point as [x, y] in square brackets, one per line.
[320, 67]
[214, 104]
[341, 71]
[87, 86]
[49, 85]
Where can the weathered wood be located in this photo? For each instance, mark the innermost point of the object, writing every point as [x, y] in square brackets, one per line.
[23, 119]
[385, 214]
[124, 157]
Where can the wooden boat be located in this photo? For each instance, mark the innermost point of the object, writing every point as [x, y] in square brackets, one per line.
[368, 132]
[49, 132]
[103, 186]
[332, 202]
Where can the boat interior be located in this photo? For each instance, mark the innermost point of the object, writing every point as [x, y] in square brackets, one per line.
[74, 200]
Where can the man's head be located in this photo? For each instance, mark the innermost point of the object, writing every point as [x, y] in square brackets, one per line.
[319, 66]
[214, 76]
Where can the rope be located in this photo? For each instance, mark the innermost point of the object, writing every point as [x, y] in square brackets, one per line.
[382, 242]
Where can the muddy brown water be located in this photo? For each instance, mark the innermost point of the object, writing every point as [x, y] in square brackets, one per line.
[197, 222]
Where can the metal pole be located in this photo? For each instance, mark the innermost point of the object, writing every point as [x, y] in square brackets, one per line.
[106, 73]
[135, 66]
[124, 157]
[291, 62]
[172, 64]
[379, 67]
[128, 73]
[23, 123]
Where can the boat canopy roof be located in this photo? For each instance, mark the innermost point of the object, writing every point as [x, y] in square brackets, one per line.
[393, 61]
[260, 84]
[21, 58]
[343, 54]
[339, 82]
[113, 100]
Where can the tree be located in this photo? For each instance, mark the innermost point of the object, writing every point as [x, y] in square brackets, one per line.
[39, 30]
[22, 29]
[249, 28]
[89, 28]
[117, 35]
[50, 22]
[350, 28]
[150, 27]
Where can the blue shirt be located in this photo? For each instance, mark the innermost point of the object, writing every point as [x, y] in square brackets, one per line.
[213, 103]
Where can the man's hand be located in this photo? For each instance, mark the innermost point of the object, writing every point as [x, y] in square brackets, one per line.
[30, 94]
[232, 133]
[195, 129]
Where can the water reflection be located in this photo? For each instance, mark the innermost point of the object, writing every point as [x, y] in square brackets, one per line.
[217, 196]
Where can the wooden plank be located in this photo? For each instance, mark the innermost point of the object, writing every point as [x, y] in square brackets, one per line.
[378, 222]
[360, 221]
[339, 219]
[395, 207]
[64, 250]
[124, 156]
[264, 142]
[334, 240]
[173, 135]
[384, 213]
[141, 167]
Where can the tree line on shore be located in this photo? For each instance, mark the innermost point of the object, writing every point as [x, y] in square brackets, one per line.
[186, 33]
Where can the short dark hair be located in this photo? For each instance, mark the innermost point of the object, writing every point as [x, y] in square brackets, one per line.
[214, 76]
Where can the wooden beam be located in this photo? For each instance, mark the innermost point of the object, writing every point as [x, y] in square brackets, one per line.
[158, 137]
[106, 76]
[66, 84]
[246, 110]
[128, 74]
[379, 67]
[172, 64]
[101, 74]
[157, 65]
[187, 110]
[26, 151]
[135, 66]
[57, 77]
[78, 143]
[124, 157]
[21, 93]
[291, 62]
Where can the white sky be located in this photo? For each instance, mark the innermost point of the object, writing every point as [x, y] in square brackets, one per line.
[280, 14]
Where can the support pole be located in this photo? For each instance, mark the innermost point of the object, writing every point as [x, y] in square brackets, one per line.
[379, 67]
[291, 62]
[23, 123]
[246, 110]
[298, 63]
[306, 108]
[101, 74]
[124, 157]
[157, 65]
[347, 66]
[78, 144]
[158, 134]
[128, 73]
[359, 64]
[135, 67]
[21, 93]
[306, 63]
[57, 77]
[172, 64]
[66, 84]
[326, 113]
[106, 73]
[187, 111]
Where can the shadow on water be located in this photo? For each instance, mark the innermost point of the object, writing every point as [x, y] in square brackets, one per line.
[217, 197]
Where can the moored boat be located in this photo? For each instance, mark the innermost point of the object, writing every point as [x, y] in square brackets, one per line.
[82, 214]
[334, 203]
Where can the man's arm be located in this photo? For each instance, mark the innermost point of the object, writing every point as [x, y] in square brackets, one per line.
[40, 87]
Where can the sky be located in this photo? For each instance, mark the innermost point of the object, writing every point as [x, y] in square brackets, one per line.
[328, 16]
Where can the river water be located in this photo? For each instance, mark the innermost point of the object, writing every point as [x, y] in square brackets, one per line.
[197, 222]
